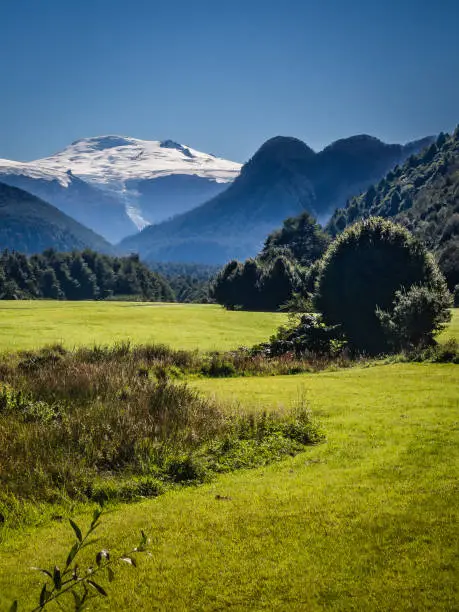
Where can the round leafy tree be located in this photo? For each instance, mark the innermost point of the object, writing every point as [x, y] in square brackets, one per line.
[360, 274]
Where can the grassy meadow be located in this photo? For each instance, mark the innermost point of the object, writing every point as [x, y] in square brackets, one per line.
[27, 325]
[366, 520]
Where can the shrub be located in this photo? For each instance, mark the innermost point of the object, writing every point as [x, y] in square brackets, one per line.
[417, 315]
[89, 427]
[187, 469]
[309, 334]
[218, 367]
[362, 270]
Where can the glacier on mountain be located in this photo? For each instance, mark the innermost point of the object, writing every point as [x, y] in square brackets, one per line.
[126, 170]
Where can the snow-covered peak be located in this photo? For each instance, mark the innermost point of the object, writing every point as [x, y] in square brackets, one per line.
[99, 143]
[34, 171]
[109, 160]
[123, 168]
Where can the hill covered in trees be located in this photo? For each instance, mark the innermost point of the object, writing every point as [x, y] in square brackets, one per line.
[84, 275]
[284, 178]
[422, 195]
[30, 225]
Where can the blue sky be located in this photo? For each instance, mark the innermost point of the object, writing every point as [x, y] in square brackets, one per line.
[224, 77]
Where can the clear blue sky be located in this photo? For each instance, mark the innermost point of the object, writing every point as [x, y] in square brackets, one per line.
[225, 76]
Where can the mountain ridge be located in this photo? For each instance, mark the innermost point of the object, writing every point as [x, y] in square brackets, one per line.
[422, 195]
[282, 179]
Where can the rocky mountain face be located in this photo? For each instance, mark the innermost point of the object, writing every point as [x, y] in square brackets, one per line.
[117, 185]
[284, 178]
[30, 225]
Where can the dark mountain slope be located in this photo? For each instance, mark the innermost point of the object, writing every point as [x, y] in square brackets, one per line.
[423, 195]
[284, 178]
[89, 206]
[30, 225]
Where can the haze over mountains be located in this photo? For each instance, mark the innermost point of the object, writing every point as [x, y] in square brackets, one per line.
[118, 185]
[30, 225]
[282, 179]
[192, 206]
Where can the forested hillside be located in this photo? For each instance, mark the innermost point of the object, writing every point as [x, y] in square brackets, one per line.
[85, 275]
[30, 225]
[423, 195]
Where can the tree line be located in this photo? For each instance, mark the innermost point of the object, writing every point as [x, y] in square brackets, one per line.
[79, 275]
[285, 268]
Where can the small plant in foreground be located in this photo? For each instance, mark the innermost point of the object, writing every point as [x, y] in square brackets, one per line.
[81, 584]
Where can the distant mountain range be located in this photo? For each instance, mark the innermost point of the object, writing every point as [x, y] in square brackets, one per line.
[281, 180]
[118, 185]
[190, 206]
[29, 225]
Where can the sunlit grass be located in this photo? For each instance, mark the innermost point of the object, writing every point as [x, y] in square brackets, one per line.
[31, 324]
[366, 521]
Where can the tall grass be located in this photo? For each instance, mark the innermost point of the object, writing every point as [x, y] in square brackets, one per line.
[110, 423]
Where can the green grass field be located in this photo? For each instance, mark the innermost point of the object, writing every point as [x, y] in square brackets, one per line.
[25, 325]
[367, 520]
[452, 330]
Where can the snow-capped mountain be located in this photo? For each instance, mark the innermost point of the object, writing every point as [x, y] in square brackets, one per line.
[116, 185]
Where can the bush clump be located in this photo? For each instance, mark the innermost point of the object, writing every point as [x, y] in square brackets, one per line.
[306, 335]
[360, 275]
[416, 316]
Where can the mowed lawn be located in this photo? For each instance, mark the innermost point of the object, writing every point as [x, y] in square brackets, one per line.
[368, 520]
[31, 324]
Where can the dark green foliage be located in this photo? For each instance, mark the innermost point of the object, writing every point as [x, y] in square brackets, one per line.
[224, 289]
[218, 366]
[187, 469]
[362, 270]
[444, 352]
[416, 316]
[30, 225]
[448, 260]
[423, 195]
[306, 335]
[278, 284]
[300, 237]
[271, 281]
[255, 285]
[189, 282]
[85, 275]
